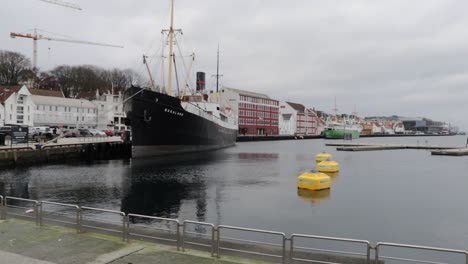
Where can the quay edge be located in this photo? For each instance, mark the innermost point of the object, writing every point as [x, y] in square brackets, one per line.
[63, 154]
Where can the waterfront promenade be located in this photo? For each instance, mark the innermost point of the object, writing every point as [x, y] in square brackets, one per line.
[23, 242]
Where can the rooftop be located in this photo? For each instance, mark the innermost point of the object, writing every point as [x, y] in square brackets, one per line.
[298, 107]
[7, 91]
[53, 93]
[248, 93]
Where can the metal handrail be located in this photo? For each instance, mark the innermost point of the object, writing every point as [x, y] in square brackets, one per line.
[283, 245]
[76, 207]
[447, 250]
[365, 242]
[175, 221]
[216, 231]
[213, 229]
[35, 206]
[122, 214]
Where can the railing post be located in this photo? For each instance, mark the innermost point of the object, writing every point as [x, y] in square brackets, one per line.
[37, 212]
[179, 238]
[5, 209]
[217, 241]
[377, 253]
[213, 244]
[124, 230]
[284, 249]
[291, 249]
[2, 207]
[183, 237]
[368, 253]
[40, 213]
[128, 228]
[78, 222]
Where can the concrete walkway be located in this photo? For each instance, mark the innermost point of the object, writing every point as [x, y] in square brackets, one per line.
[23, 242]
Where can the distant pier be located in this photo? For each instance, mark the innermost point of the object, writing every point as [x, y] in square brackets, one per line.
[435, 149]
[242, 138]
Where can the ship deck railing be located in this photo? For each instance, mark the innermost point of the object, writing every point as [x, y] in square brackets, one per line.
[202, 112]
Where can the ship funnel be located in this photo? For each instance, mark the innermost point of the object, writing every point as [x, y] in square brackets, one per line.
[200, 81]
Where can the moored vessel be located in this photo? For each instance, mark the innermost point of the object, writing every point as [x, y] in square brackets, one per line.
[335, 130]
[163, 124]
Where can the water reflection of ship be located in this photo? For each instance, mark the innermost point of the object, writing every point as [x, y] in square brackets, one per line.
[161, 189]
[313, 196]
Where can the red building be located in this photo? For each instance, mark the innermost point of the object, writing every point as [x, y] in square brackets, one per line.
[257, 113]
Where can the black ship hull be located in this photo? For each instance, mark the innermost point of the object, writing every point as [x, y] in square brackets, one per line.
[161, 126]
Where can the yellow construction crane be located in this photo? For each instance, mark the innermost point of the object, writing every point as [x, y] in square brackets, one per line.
[62, 3]
[35, 37]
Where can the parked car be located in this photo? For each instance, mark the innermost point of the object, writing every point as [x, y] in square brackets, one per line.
[84, 132]
[109, 132]
[40, 132]
[95, 132]
[72, 132]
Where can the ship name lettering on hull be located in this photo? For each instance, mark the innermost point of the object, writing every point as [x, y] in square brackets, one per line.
[173, 112]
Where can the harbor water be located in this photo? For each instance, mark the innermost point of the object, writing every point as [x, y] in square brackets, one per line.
[404, 196]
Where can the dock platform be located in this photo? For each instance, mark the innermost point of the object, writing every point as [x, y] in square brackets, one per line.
[64, 150]
[451, 152]
[435, 149]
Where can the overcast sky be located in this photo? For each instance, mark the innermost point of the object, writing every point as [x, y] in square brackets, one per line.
[407, 58]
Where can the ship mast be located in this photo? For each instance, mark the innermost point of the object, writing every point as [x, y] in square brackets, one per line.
[217, 71]
[171, 46]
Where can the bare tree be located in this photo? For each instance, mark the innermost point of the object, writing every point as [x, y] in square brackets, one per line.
[87, 78]
[14, 68]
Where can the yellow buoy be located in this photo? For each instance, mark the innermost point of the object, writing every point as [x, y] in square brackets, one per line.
[313, 181]
[322, 156]
[313, 196]
[328, 166]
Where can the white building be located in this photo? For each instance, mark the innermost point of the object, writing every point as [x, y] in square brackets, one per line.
[296, 119]
[110, 110]
[17, 107]
[64, 112]
[287, 119]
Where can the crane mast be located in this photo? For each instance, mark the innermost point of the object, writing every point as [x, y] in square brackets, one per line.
[35, 37]
[62, 3]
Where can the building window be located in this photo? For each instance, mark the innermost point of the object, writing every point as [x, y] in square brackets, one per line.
[11, 107]
[20, 110]
[82, 118]
[56, 108]
[20, 99]
[37, 107]
[11, 117]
